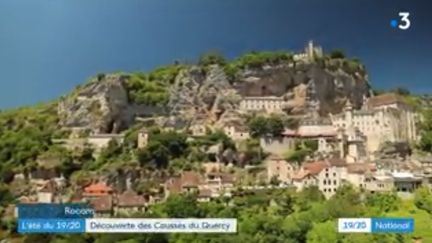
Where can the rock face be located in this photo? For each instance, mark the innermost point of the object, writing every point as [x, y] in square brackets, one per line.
[329, 83]
[205, 95]
[202, 96]
[208, 96]
[101, 106]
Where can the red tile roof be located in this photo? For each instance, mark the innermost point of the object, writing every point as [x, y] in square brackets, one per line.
[190, 179]
[315, 168]
[98, 189]
[300, 175]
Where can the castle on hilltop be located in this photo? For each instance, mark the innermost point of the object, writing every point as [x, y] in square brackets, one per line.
[311, 52]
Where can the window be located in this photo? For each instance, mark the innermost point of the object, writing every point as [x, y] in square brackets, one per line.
[334, 174]
[326, 174]
[325, 182]
[325, 190]
[334, 182]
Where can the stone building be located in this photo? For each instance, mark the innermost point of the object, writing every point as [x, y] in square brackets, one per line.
[279, 169]
[329, 174]
[383, 118]
[302, 179]
[379, 183]
[311, 52]
[100, 141]
[352, 144]
[143, 138]
[269, 104]
[129, 202]
[236, 131]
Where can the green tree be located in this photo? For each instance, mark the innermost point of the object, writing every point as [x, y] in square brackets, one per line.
[383, 202]
[423, 199]
[425, 143]
[182, 206]
[345, 203]
[275, 126]
[258, 127]
[5, 195]
[308, 196]
[402, 91]
[155, 154]
[358, 238]
[298, 156]
[323, 232]
[311, 145]
[210, 58]
[337, 54]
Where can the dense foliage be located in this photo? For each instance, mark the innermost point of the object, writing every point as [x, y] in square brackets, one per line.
[256, 60]
[266, 126]
[337, 54]
[152, 88]
[24, 135]
[425, 143]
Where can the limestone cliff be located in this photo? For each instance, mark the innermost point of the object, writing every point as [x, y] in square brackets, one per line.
[206, 95]
[101, 106]
[330, 82]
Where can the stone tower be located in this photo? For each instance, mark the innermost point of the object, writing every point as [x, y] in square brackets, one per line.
[143, 137]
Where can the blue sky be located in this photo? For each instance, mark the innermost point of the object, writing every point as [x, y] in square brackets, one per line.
[48, 47]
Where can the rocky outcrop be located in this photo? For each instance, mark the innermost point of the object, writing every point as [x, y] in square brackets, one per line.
[330, 83]
[205, 95]
[202, 95]
[103, 106]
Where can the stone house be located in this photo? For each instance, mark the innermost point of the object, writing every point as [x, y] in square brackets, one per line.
[103, 205]
[378, 183]
[329, 174]
[302, 179]
[187, 182]
[129, 202]
[219, 184]
[204, 195]
[357, 173]
[279, 168]
[236, 131]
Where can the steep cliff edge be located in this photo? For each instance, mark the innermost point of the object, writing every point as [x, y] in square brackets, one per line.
[207, 93]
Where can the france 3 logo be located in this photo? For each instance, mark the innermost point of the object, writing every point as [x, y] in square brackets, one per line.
[403, 23]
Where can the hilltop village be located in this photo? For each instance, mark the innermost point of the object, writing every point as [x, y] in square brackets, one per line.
[367, 143]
